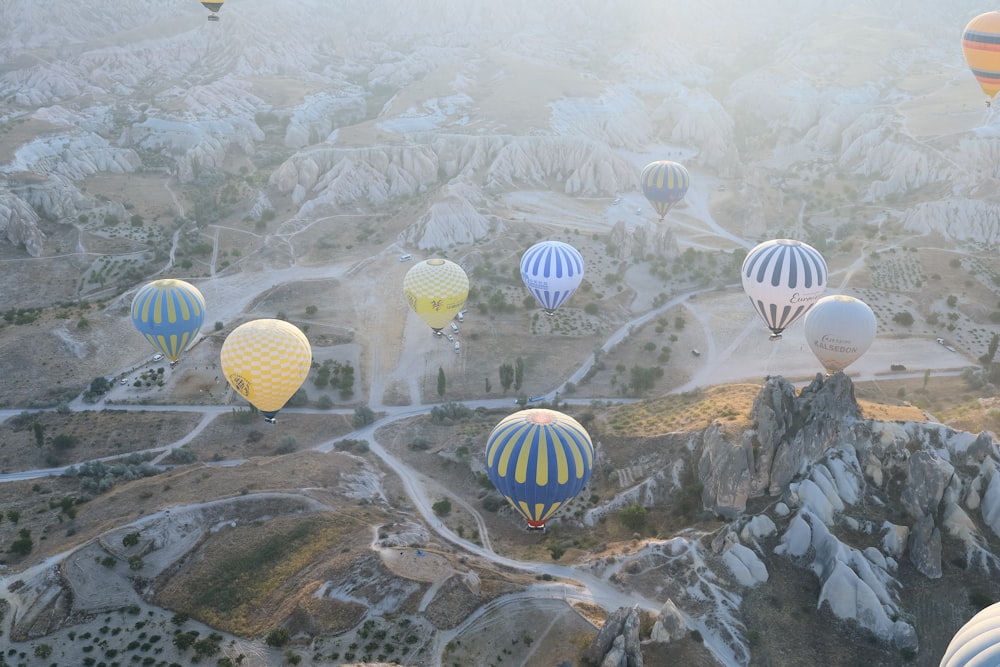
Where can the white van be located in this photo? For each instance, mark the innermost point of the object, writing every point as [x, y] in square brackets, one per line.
[461, 316]
[454, 327]
[405, 257]
[458, 346]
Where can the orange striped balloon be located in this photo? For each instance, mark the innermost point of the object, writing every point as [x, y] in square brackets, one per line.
[981, 48]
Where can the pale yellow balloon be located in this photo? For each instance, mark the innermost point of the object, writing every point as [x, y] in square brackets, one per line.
[436, 290]
[266, 361]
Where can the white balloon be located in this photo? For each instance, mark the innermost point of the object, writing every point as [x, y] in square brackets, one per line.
[552, 270]
[784, 279]
[977, 643]
[839, 329]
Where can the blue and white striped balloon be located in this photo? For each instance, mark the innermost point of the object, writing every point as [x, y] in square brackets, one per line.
[552, 270]
[783, 279]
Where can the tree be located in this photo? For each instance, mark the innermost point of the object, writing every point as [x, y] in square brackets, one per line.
[903, 317]
[506, 376]
[442, 507]
[39, 430]
[278, 637]
[518, 373]
[643, 379]
[64, 441]
[363, 416]
[633, 517]
[23, 544]
[488, 385]
[441, 381]
[99, 385]
[131, 539]
[991, 351]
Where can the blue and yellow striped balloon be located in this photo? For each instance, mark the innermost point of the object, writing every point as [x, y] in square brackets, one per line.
[539, 460]
[664, 183]
[169, 313]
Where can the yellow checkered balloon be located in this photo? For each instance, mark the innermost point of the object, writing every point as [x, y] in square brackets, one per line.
[266, 361]
[436, 289]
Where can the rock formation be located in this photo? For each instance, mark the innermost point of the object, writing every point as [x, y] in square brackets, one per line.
[617, 643]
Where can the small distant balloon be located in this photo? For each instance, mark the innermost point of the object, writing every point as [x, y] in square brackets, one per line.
[981, 48]
[539, 460]
[783, 278]
[436, 290]
[266, 361]
[214, 8]
[169, 314]
[552, 270]
[664, 183]
[977, 643]
[839, 329]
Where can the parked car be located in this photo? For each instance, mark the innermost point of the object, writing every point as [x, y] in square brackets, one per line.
[157, 357]
[454, 327]
[458, 346]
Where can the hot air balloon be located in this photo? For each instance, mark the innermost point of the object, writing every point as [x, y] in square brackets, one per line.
[839, 329]
[436, 290]
[784, 279]
[266, 361]
[213, 7]
[539, 460]
[169, 313]
[977, 643]
[552, 270]
[664, 183]
[981, 48]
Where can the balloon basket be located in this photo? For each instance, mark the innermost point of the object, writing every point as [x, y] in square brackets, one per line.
[773, 337]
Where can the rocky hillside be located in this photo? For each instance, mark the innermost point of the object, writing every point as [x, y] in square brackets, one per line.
[491, 98]
[866, 516]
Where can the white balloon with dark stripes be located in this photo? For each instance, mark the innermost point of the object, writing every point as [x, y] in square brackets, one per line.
[977, 643]
[552, 270]
[783, 279]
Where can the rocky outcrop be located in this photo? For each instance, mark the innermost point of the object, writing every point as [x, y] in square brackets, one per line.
[924, 545]
[636, 243]
[19, 224]
[789, 433]
[670, 624]
[956, 218]
[452, 220]
[617, 642]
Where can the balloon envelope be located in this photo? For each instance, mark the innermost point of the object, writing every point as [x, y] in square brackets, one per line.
[169, 313]
[977, 643]
[839, 329]
[213, 6]
[664, 183]
[981, 48]
[266, 361]
[436, 290]
[552, 270]
[539, 460]
[783, 279]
